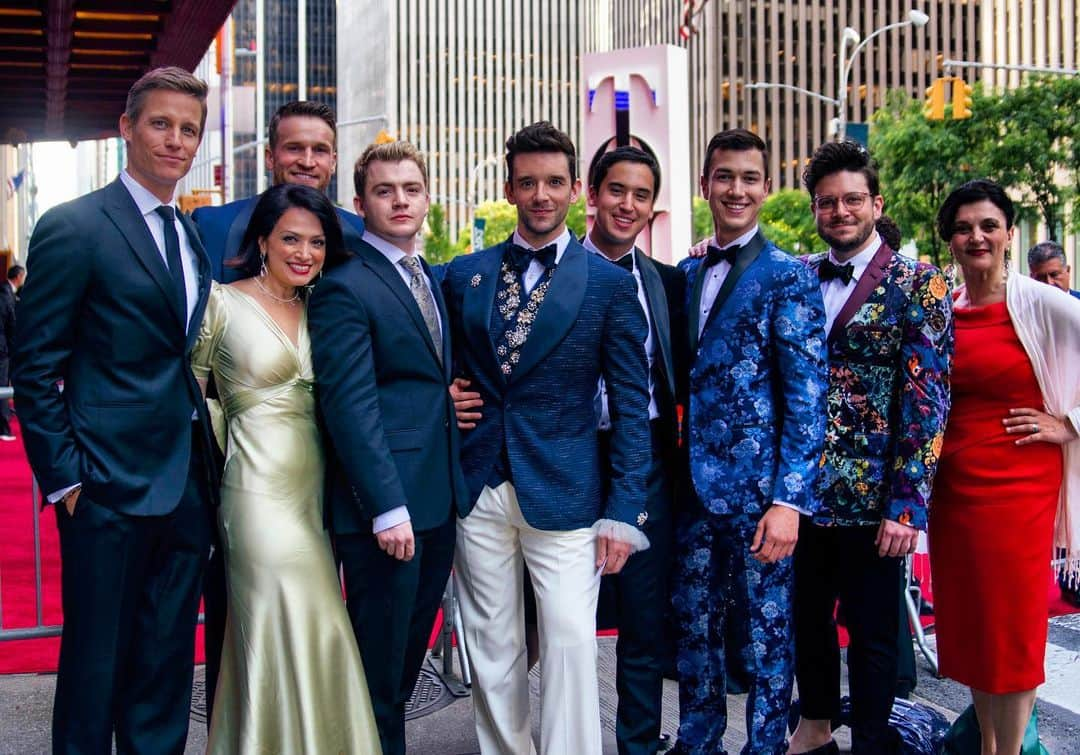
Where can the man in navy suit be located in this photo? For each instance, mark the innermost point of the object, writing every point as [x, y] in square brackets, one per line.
[757, 386]
[622, 188]
[301, 149]
[380, 344]
[537, 321]
[117, 288]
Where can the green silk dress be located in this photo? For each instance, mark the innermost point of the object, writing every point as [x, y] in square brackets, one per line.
[291, 676]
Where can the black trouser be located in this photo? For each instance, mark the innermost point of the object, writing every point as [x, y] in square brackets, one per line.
[842, 563]
[392, 606]
[215, 611]
[641, 605]
[131, 588]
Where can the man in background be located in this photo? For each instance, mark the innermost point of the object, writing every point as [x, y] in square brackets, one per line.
[1047, 264]
[8, 296]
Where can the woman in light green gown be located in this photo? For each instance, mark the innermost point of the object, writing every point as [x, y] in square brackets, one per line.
[291, 677]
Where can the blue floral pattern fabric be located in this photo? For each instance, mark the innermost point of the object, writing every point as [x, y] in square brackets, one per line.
[757, 390]
[888, 399]
[716, 567]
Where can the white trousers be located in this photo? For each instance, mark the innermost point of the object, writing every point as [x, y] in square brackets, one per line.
[491, 543]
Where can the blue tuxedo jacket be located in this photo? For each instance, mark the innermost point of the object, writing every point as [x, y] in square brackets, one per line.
[758, 384]
[222, 229]
[590, 324]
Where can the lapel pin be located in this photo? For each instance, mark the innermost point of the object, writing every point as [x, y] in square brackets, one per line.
[475, 281]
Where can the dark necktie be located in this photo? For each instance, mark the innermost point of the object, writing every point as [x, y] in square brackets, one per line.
[829, 270]
[172, 256]
[626, 262]
[519, 257]
[715, 255]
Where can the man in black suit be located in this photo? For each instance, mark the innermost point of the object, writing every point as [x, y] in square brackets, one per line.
[622, 187]
[380, 342]
[117, 288]
[8, 297]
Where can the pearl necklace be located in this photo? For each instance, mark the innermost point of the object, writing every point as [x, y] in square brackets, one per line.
[291, 300]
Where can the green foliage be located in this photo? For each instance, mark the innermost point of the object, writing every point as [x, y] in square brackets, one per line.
[501, 219]
[786, 221]
[575, 218]
[438, 246]
[1033, 147]
[920, 161]
[702, 219]
[1027, 139]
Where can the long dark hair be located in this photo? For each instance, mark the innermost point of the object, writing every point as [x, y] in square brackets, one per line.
[272, 204]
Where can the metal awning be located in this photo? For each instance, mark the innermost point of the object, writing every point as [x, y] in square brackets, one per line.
[66, 65]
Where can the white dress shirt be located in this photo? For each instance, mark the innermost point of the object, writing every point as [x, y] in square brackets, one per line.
[148, 204]
[650, 346]
[400, 514]
[716, 275]
[835, 292]
[536, 268]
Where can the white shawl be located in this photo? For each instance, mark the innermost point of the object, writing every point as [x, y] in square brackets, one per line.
[1047, 322]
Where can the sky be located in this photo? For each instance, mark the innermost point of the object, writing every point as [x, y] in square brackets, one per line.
[56, 173]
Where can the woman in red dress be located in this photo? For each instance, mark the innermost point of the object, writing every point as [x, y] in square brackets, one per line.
[999, 482]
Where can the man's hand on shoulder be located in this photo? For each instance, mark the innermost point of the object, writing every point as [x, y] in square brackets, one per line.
[776, 534]
[895, 539]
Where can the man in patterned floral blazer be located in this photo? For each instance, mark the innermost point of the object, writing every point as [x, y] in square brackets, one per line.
[757, 389]
[889, 321]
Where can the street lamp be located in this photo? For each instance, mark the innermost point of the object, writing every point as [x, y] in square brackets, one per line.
[848, 38]
[851, 37]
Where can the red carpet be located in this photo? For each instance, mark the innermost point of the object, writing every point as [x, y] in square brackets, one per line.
[17, 570]
[17, 599]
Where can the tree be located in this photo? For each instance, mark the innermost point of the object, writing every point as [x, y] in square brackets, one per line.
[921, 161]
[786, 220]
[702, 219]
[438, 247]
[1033, 147]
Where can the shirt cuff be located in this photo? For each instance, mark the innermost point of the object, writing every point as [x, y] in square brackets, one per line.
[391, 518]
[59, 494]
[787, 505]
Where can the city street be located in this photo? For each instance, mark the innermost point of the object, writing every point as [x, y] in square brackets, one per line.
[26, 701]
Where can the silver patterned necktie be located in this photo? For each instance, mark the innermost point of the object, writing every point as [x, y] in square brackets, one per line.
[424, 300]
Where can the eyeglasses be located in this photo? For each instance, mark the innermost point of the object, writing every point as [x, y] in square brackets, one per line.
[853, 201]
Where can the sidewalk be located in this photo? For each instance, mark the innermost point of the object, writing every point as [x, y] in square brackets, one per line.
[26, 706]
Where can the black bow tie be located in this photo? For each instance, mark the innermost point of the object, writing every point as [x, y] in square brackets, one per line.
[715, 255]
[519, 257]
[829, 270]
[626, 262]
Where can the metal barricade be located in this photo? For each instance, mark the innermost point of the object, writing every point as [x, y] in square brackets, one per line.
[40, 628]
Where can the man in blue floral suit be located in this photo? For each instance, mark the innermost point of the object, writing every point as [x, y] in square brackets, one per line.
[757, 389]
[889, 321]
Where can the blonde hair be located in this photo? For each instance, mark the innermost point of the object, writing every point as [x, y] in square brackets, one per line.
[170, 78]
[390, 152]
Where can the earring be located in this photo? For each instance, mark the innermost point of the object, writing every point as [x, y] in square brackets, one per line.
[262, 266]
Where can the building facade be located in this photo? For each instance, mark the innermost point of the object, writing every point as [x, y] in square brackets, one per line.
[456, 78]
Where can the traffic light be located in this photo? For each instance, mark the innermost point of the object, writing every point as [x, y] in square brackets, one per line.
[961, 99]
[934, 109]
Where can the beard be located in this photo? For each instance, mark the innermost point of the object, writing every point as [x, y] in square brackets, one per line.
[850, 244]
